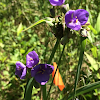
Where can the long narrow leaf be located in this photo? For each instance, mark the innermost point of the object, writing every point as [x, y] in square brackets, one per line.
[97, 25]
[29, 88]
[83, 44]
[36, 23]
[85, 89]
[92, 29]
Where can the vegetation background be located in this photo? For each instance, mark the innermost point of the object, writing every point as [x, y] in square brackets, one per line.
[14, 47]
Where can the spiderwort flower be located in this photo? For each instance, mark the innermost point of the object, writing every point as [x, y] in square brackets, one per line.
[32, 59]
[20, 70]
[74, 19]
[56, 2]
[42, 72]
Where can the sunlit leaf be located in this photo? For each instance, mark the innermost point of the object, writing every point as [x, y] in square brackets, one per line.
[19, 29]
[94, 51]
[92, 61]
[22, 51]
[97, 26]
[92, 29]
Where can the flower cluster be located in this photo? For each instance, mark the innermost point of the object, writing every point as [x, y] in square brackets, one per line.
[74, 19]
[40, 72]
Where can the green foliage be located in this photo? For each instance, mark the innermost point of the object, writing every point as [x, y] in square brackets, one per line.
[94, 65]
[98, 24]
[17, 16]
[19, 29]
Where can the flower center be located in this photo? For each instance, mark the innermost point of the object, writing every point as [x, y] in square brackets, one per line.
[19, 68]
[31, 59]
[41, 70]
[76, 19]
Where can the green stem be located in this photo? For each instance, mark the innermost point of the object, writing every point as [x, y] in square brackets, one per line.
[49, 61]
[53, 51]
[43, 87]
[36, 23]
[83, 44]
[55, 71]
[28, 90]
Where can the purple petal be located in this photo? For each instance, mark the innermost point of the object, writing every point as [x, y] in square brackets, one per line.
[32, 59]
[56, 2]
[70, 20]
[69, 16]
[20, 64]
[41, 73]
[42, 78]
[20, 70]
[74, 26]
[46, 67]
[82, 15]
[23, 74]
[34, 70]
[49, 68]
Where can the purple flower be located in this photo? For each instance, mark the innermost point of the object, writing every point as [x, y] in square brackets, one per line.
[74, 19]
[56, 2]
[20, 70]
[32, 59]
[42, 72]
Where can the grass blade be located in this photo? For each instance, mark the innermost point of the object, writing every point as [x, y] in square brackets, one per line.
[83, 43]
[85, 89]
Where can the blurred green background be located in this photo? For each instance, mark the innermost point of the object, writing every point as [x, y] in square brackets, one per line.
[14, 47]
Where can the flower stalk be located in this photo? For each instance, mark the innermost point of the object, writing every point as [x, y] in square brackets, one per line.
[56, 71]
[83, 44]
[49, 61]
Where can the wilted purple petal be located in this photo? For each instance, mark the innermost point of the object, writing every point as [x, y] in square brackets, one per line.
[56, 2]
[74, 19]
[41, 73]
[20, 70]
[32, 59]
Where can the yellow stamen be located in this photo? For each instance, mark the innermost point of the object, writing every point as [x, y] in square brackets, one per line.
[76, 20]
[31, 59]
[39, 72]
[42, 70]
